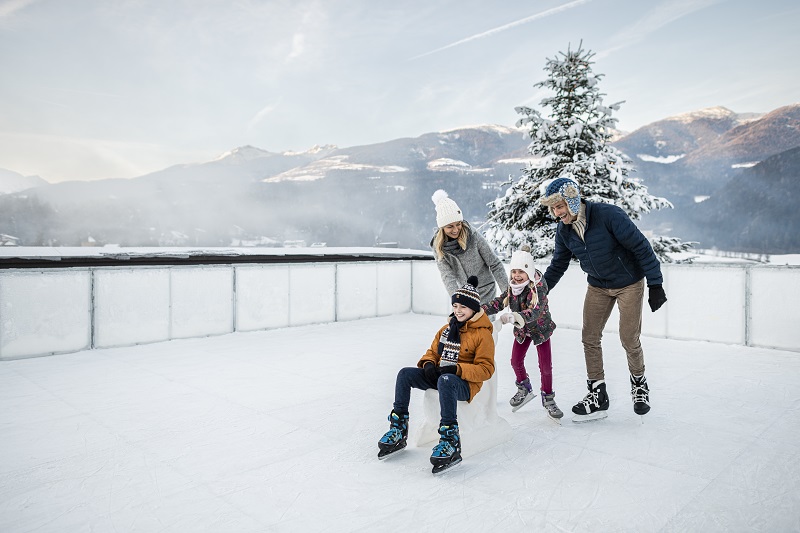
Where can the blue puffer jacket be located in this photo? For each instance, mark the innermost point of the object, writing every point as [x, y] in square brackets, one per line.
[614, 253]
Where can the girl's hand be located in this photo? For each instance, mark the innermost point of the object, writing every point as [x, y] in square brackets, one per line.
[507, 318]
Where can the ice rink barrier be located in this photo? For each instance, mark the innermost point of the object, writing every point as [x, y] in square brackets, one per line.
[55, 300]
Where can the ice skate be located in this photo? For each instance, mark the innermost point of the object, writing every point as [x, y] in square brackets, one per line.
[594, 405]
[447, 453]
[549, 403]
[640, 394]
[396, 438]
[524, 394]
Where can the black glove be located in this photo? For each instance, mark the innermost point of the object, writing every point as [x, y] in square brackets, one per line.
[657, 297]
[431, 375]
[449, 369]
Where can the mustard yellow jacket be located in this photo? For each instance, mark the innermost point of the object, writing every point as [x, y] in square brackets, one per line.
[476, 356]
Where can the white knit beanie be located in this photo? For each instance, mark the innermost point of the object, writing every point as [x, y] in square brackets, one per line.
[523, 260]
[447, 211]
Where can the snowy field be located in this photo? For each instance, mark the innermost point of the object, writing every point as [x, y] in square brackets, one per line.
[277, 431]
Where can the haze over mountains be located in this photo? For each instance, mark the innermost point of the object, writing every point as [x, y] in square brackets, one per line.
[744, 166]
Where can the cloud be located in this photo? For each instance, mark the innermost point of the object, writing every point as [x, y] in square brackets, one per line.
[537, 16]
[298, 45]
[662, 15]
[9, 7]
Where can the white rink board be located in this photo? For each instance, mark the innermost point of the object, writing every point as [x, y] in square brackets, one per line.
[262, 297]
[131, 306]
[42, 314]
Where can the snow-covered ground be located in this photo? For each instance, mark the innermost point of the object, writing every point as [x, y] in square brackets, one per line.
[277, 431]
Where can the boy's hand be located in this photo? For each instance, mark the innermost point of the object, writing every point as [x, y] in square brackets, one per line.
[431, 375]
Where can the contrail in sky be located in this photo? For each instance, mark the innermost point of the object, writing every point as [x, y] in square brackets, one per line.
[504, 27]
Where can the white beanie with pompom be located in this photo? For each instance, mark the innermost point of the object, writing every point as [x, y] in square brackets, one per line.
[523, 260]
[447, 211]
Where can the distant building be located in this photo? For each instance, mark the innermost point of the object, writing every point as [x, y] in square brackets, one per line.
[260, 242]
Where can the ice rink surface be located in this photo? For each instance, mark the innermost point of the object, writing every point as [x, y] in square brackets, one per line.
[277, 431]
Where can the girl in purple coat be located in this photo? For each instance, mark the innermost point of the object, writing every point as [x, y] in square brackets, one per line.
[526, 299]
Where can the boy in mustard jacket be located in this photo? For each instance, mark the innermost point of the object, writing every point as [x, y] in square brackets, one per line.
[459, 360]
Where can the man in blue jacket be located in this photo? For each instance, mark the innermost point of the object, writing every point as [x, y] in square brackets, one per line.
[617, 258]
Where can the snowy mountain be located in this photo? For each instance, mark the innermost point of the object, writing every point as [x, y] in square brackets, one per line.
[670, 139]
[752, 140]
[381, 192]
[14, 182]
[689, 157]
[479, 149]
[756, 209]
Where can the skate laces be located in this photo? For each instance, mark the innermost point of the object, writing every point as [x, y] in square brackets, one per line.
[593, 398]
[392, 436]
[640, 393]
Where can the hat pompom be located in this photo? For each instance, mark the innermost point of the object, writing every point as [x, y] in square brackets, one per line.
[439, 195]
[468, 294]
[525, 248]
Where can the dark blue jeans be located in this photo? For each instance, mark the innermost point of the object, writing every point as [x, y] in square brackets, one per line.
[451, 389]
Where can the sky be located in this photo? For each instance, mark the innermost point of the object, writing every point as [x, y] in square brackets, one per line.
[121, 88]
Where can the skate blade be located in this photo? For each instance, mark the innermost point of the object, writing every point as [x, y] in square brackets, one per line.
[385, 454]
[527, 399]
[598, 415]
[382, 456]
[554, 419]
[441, 469]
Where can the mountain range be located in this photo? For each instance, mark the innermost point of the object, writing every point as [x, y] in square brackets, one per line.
[709, 163]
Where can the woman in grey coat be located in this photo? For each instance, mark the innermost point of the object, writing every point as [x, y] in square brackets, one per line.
[462, 252]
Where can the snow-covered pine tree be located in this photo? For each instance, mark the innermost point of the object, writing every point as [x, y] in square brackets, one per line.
[574, 142]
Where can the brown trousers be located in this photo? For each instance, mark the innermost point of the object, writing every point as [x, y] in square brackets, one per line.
[597, 308]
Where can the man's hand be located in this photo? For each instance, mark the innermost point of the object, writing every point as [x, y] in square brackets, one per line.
[657, 297]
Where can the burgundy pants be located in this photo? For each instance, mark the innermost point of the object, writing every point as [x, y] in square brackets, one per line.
[518, 353]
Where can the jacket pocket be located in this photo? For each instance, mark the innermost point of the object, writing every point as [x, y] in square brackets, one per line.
[622, 264]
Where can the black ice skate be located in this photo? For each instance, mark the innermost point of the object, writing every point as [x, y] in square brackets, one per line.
[396, 438]
[640, 394]
[447, 453]
[595, 405]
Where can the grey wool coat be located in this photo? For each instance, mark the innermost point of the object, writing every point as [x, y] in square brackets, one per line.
[477, 260]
